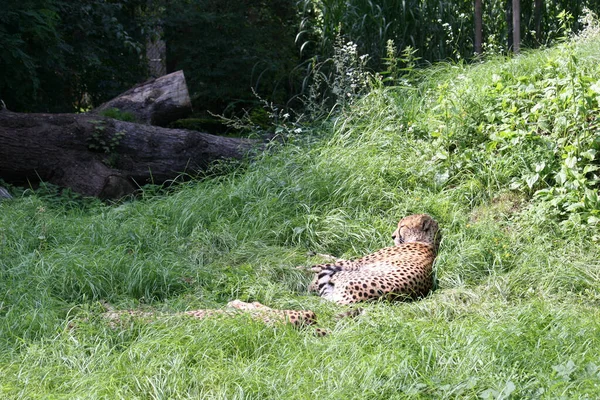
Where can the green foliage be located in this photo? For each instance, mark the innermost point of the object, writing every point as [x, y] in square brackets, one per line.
[101, 140]
[115, 113]
[437, 30]
[227, 48]
[210, 125]
[60, 55]
[61, 200]
[540, 117]
[214, 125]
[372, 24]
[336, 82]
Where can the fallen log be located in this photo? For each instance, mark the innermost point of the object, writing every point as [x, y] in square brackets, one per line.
[154, 102]
[99, 156]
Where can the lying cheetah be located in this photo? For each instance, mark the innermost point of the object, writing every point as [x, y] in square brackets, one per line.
[256, 310]
[403, 271]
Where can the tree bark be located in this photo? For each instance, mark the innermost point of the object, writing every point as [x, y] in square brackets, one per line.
[509, 24]
[155, 102]
[103, 157]
[516, 16]
[537, 18]
[478, 26]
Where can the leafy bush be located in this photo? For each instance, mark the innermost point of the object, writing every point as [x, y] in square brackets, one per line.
[115, 113]
[538, 122]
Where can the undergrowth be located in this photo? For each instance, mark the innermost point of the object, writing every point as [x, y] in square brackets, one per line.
[502, 154]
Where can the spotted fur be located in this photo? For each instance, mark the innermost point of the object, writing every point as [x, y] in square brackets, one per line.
[298, 318]
[258, 311]
[401, 272]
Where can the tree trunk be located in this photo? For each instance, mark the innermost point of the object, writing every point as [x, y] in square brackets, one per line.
[516, 17]
[537, 20]
[155, 102]
[103, 157]
[478, 26]
[509, 25]
[156, 52]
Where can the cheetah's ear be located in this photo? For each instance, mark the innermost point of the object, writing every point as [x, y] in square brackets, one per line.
[426, 223]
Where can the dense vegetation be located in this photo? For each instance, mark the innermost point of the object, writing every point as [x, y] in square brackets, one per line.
[65, 56]
[62, 56]
[437, 30]
[503, 153]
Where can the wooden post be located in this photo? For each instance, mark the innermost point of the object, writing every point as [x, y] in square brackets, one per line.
[516, 16]
[537, 18]
[156, 53]
[478, 26]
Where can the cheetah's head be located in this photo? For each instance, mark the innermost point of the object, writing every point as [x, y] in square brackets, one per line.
[418, 228]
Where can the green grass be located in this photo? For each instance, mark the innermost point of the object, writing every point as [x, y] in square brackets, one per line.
[516, 313]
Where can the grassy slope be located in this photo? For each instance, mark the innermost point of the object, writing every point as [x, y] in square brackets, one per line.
[517, 309]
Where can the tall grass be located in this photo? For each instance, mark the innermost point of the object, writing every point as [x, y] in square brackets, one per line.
[515, 314]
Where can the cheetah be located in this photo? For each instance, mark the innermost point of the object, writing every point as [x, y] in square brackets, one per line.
[400, 272]
[256, 310]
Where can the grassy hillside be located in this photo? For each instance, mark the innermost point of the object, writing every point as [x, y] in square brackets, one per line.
[502, 154]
